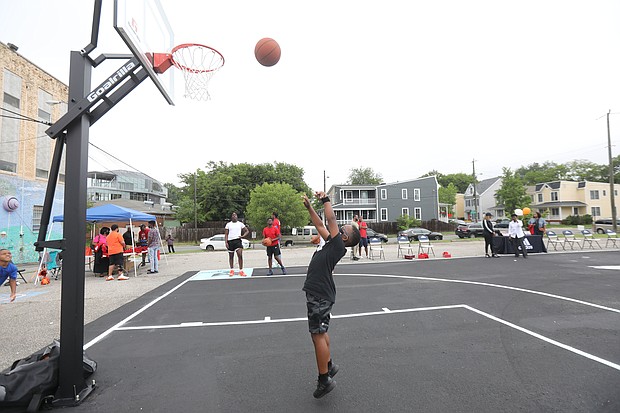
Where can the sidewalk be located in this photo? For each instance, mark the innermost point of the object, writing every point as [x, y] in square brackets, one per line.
[33, 320]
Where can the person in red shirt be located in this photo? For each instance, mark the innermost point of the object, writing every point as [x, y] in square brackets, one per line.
[363, 236]
[143, 235]
[116, 246]
[270, 231]
[276, 221]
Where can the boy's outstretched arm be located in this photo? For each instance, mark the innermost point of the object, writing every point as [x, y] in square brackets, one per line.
[332, 224]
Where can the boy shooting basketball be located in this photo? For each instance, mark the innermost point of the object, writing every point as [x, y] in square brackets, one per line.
[320, 288]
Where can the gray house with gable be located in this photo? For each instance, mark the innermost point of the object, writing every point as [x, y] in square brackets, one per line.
[417, 198]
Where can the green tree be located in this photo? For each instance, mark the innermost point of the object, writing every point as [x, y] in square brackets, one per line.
[225, 188]
[174, 193]
[364, 176]
[460, 180]
[512, 193]
[404, 222]
[447, 195]
[280, 197]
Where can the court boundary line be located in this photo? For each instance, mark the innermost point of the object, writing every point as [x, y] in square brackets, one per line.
[387, 311]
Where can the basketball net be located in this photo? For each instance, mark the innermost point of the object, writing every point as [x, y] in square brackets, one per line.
[198, 63]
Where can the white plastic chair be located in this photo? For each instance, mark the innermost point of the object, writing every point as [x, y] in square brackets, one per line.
[569, 239]
[611, 237]
[553, 239]
[588, 238]
[376, 248]
[404, 247]
[424, 244]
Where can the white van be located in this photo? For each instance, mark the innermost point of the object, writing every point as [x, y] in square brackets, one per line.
[302, 235]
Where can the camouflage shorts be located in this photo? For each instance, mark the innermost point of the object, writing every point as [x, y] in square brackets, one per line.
[319, 311]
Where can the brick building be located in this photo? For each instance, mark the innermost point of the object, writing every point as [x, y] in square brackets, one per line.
[31, 100]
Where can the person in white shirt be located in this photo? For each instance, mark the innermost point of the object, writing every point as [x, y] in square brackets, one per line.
[516, 234]
[234, 231]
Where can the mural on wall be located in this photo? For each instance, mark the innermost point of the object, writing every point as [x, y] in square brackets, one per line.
[20, 200]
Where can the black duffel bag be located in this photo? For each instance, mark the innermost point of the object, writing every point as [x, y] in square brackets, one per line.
[33, 381]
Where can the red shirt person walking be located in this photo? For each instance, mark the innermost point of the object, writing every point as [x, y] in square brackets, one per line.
[273, 232]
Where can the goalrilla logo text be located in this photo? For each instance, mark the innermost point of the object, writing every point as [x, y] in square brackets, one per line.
[113, 80]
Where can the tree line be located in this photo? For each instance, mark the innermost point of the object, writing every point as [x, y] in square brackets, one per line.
[255, 191]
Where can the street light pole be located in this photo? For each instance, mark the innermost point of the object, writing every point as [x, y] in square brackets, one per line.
[612, 197]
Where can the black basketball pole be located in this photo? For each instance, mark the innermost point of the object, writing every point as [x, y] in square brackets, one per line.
[72, 386]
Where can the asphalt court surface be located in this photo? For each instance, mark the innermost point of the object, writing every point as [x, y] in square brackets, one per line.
[457, 335]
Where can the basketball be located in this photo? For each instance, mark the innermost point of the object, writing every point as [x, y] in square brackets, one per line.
[266, 242]
[316, 239]
[267, 52]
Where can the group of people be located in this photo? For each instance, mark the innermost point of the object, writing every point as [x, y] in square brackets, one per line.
[235, 230]
[536, 226]
[109, 247]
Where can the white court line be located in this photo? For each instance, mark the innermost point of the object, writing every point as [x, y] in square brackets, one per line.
[140, 311]
[546, 339]
[119, 324]
[386, 311]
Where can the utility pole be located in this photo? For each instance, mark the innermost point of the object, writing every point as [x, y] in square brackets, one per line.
[614, 216]
[473, 164]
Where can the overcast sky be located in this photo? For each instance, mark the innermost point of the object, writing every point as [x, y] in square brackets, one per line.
[402, 87]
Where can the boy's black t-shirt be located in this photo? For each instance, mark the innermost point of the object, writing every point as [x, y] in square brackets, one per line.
[319, 280]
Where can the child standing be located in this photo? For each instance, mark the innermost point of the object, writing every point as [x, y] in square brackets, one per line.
[320, 288]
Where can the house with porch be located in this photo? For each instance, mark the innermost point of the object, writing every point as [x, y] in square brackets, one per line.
[480, 199]
[560, 199]
[417, 198]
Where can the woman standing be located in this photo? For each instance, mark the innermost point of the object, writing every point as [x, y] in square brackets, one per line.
[539, 224]
[100, 247]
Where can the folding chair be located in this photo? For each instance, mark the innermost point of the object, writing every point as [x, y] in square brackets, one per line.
[611, 237]
[376, 248]
[588, 238]
[404, 247]
[424, 244]
[19, 272]
[54, 264]
[569, 238]
[552, 239]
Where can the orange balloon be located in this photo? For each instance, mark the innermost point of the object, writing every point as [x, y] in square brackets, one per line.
[526, 211]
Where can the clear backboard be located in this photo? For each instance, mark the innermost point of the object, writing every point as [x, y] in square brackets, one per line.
[143, 26]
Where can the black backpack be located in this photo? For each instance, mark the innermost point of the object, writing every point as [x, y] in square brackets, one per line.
[32, 381]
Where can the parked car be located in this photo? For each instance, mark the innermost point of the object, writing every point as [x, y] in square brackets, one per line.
[471, 230]
[501, 223]
[299, 236]
[600, 225]
[412, 234]
[371, 233]
[216, 242]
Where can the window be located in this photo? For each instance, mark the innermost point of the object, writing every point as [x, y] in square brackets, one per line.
[416, 194]
[594, 194]
[604, 193]
[384, 214]
[405, 212]
[554, 196]
[596, 211]
[417, 213]
[468, 202]
[37, 213]
[9, 127]
[575, 210]
[403, 193]
[44, 144]
[540, 197]
[555, 212]
[384, 194]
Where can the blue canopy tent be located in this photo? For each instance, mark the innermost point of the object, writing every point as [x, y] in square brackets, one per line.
[114, 213]
[111, 213]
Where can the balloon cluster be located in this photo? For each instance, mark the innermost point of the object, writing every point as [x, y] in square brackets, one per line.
[524, 211]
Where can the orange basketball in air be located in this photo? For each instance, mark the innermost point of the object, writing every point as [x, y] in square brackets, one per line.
[267, 52]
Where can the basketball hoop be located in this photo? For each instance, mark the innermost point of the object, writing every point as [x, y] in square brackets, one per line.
[197, 62]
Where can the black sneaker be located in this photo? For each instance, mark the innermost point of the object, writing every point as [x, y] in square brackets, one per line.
[333, 370]
[323, 388]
